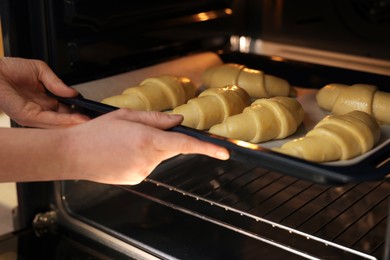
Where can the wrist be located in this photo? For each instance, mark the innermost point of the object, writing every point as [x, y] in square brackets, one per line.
[67, 155]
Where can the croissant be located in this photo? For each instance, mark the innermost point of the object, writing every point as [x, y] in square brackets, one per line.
[336, 137]
[265, 119]
[155, 94]
[213, 106]
[255, 82]
[340, 99]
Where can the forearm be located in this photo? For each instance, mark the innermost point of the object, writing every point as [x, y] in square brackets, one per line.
[32, 155]
[121, 147]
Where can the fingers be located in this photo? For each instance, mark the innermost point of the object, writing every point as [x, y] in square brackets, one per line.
[183, 144]
[170, 142]
[155, 119]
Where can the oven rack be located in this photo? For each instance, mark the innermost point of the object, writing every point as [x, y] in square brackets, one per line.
[274, 208]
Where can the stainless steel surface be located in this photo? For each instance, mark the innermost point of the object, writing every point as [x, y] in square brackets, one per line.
[311, 55]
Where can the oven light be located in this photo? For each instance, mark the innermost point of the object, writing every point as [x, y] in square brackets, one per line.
[203, 16]
[228, 11]
[244, 44]
[277, 58]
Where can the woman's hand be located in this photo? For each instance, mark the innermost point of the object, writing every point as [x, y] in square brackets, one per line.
[124, 146]
[121, 147]
[23, 97]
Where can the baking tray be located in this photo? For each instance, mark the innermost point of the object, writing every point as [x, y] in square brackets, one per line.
[372, 166]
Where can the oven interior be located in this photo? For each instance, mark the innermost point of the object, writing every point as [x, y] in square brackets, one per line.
[194, 207]
[238, 209]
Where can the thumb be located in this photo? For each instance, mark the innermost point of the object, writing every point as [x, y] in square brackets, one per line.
[53, 83]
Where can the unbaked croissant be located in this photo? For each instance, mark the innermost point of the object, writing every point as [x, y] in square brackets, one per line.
[213, 106]
[265, 119]
[340, 99]
[155, 94]
[336, 137]
[255, 82]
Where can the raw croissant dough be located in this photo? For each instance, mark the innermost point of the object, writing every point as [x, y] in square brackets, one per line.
[155, 94]
[265, 119]
[340, 99]
[213, 106]
[336, 137]
[255, 82]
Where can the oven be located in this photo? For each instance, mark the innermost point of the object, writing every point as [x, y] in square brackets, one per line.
[259, 204]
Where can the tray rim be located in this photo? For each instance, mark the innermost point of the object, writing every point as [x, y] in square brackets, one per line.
[371, 168]
[374, 167]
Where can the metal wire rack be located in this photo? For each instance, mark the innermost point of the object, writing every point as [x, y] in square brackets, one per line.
[305, 218]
